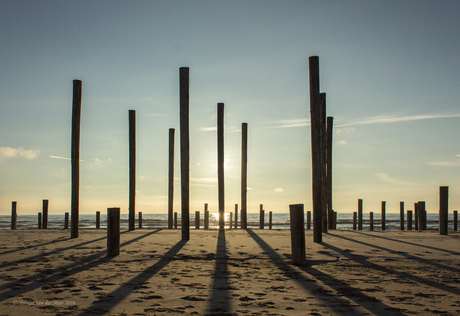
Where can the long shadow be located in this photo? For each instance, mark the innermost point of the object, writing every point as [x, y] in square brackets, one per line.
[220, 296]
[367, 302]
[411, 243]
[45, 277]
[401, 275]
[34, 246]
[128, 287]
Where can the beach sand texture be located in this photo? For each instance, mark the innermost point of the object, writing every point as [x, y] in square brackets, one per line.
[232, 272]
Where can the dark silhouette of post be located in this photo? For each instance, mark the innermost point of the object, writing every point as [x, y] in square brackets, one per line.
[113, 231]
[244, 175]
[132, 169]
[206, 216]
[443, 209]
[360, 214]
[220, 164]
[197, 219]
[140, 220]
[323, 147]
[421, 215]
[371, 221]
[409, 220]
[98, 219]
[315, 113]
[185, 152]
[270, 219]
[455, 220]
[39, 220]
[354, 220]
[66, 220]
[330, 212]
[297, 234]
[14, 214]
[401, 215]
[236, 216]
[335, 220]
[175, 220]
[45, 213]
[308, 220]
[75, 158]
[261, 218]
[230, 225]
[416, 217]
[171, 178]
[383, 214]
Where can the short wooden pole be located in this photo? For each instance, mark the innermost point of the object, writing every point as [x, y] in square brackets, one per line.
[220, 164]
[230, 225]
[416, 217]
[409, 220]
[422, 215]
[443, 209]
[75, 157]
[98, 219]
[262, 219]
[383, 214]
[270, 218]
[455, 220]
[132, 169]
[66, 220]
[197, 219]
[185, 151]
[140, 220]
[14, 215]
[308, 220]
[236, 216]
[39, 220]
[113, 232]
[206, 216]
[335, 220]
[45, 214]
[371, 221]
[244, 175]
[175, 220]
[354, 220]
[360, 214]
[401, 215]
[171, 179]
[297, 234]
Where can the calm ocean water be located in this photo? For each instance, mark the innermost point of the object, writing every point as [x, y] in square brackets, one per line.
[280, 221]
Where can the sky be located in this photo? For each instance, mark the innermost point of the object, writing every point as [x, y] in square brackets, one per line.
[390, 69]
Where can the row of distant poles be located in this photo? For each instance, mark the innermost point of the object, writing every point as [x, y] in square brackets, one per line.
[184, 162]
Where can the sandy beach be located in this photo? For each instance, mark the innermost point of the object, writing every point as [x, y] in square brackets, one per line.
[235, 272]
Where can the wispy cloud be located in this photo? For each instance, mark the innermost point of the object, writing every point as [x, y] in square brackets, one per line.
[300, 122]
[385, 177]
[398, 118]
[230, 129]
[279, 190]
[7, 152]
[63, 158]
[342, 143]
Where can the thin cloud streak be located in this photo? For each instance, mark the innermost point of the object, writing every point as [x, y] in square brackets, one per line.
[64, 158]
[395, 119]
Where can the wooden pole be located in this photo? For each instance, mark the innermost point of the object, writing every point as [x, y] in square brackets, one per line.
[354, 220]
[206, 216]
[220, 164]
[66, 220]
[171, 178]
[315, 113]
[185, 152]
[308, 220]
[335, 220]
[416, 217]
[409, 220]
[297, 234]
[113, 231]
[422, 215]
[401, 215]
[236, 216]
[262, 219]
[75, 157]
[98, 219]
[175, 220]
[383, 214]
[270, 219]
[14, 215]
[330, 211]
[455, 220]
[443, 209]
[45, 213]
[230, 225]
[197, 219]
[244, 175]
[132, 169]
[360, 214]
[140, 220]
[323, 135]
[371, 221]
[39, 220]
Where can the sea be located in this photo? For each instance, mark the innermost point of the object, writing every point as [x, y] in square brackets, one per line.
[279, 221]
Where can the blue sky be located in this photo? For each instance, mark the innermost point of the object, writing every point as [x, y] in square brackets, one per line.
[391, 71]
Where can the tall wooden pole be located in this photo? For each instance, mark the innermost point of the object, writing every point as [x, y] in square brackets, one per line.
[315, 113]
[75, 158]
[401, 215]
[323, 135]
[220, 163]
[330, 212]
[236, 216]
[132, 169]
[383, 214]
[45, 213]
[443, 209]
[184, 152]
[360, 214]
[171, 178]
[244, 175]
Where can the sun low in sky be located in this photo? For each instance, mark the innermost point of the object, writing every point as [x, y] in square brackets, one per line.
[391, 71]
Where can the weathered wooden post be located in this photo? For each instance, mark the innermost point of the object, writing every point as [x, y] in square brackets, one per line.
[171, 178]
[14, 214]
[98, 219]
[175, 220]
[360, 214]
[354, 220]
[113, 231]
[455, 220]
[236, 216]
[330, 211]
[39, 220]
[132, 169]
[422, 215]
[409, 220]
[66, 220]
[75, 157]
[443, 209]
[140, 220]
[197, 219]
[416, 217]
[244, 175]
[185, 152]
[401, 215]
[230, 225]
[315, 118]
[323, 147]
[308, 220]
[262, 218]
[371, 221]
[45, 213]
[206, 216]
[335, 220]
[297, 234]
[220, 164]
[270, 219]
[383, 214]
